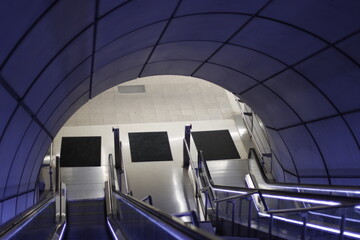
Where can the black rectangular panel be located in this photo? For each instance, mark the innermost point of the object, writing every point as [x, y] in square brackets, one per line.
[80, 152]
[150, 146]
[216, 145]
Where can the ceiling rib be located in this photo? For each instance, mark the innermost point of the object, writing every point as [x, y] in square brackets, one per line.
[232, 36]
[95, 23]
[160, 37]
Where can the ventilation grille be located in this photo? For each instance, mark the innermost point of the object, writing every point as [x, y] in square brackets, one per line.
[131, 89]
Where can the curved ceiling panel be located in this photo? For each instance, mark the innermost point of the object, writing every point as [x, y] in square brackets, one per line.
[130, 17]
[10, 143]
[19, 161]
[197, 51]
[47, 39]
[351, 47]
[353, 120]
[106, 6]
[188, 7]
[208, 27]
[309, 161]
[184, 68]
[80, 76]
[231, 80]
[274, 112]
[60, 68]
[296, 63]
[278, 40]
[78, 93]
[340, 152]
[301, 95]
[281, 152]
[336, 76]
[5, 109]
[116, 79]
[329, 20]
[31, 160]
[9, 13]
[250, 62]
[134, 41]
[125, 62]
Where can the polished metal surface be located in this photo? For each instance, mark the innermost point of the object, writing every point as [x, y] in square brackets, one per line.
[229, 172]
[167, 181]
[84, 182]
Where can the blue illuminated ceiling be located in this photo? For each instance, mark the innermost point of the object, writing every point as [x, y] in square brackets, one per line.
[296, 63]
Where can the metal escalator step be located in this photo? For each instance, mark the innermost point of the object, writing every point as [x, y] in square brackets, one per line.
[207, 226]
[87, 232]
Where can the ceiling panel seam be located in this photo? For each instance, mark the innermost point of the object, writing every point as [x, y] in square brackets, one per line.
[277, 160]
[315, 120]
[320, 38]
[36, 162]
[53, 59]
[14, 157]
[68, 94]
[277, 21]
[27, 159]
[26, 33]
[71, 105]
[130, 32]
[20, 103]
[114, 9]
[15, 195]
[292, 66]
[291, 157]
[253, 16]
[189, 60]
[320, 152]
[62, 81]
[306, 127]
[9, 121]
[95, 23]
[160, 37]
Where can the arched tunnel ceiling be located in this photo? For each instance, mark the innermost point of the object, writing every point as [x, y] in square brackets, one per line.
[296, 63]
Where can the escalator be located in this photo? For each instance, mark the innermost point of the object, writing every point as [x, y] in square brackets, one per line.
[86, 220]
[280, 212]
[118, 216]
[230, 212]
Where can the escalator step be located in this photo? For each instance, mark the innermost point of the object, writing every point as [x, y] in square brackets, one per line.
[206, 226]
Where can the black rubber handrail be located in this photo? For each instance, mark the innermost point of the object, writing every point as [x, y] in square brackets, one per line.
[276, 192]
[252, 152]
[186, 229]
[13, 223]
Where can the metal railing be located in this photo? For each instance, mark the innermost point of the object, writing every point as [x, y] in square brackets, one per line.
[292, 202]
[259, 137]
[53, 207]
[123, 209]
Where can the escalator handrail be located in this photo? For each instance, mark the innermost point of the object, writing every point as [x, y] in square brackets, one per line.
[172, 221]
[27, 215]
[323, 187]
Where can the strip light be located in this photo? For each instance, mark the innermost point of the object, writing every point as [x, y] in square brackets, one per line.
[62, 231]
[334, 217]
[111, 229]
[229, 191]
[314, 226]
[318, 189]
[163, 226]
[330, 203]
[30, 219]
